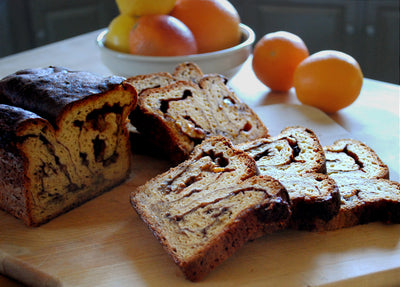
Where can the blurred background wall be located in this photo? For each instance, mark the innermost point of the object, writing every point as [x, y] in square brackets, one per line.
[366, 29]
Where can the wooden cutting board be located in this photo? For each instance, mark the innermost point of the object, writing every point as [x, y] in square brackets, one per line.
[104, 243]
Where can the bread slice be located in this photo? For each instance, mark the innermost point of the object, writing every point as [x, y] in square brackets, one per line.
[188, 71]
[177, 116]
[208, 206]
[296, 150]
[314, 198]
[362, 178]
[353, 158]
[296, 158]
[364, 200]
[63, 140]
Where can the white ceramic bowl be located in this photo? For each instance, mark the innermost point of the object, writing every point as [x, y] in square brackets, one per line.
[226, 62]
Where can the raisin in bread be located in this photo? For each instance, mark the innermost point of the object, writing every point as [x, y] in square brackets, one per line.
[296, 158]
[63, 140]
[366, 193]
[177, 112]
[208, 206]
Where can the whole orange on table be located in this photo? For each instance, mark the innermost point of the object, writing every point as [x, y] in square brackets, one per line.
[161, 35]
[275, 58]
[214, 23]
[329, 80]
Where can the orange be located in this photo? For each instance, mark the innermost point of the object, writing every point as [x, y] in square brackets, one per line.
[117, 37]
[214, 23]
[161, 35]
[275, 58]
[329, 80]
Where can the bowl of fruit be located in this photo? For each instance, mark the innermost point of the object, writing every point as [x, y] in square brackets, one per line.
[208, 33]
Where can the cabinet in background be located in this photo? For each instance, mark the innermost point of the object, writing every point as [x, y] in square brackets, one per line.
[368, 30]
[25, 24]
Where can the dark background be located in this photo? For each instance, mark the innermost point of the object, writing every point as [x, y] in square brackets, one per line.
[366, 29]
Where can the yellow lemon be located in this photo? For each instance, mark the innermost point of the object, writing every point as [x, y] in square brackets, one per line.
[117, 37]
[145, 7]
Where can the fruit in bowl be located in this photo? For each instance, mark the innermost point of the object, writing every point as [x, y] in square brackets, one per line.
[174, 28]
[207, 32]
[161, 35]
[226, 62]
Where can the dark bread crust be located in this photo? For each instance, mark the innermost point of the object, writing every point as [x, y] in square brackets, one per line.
[47, 91]
[201, 211]
[51, 165]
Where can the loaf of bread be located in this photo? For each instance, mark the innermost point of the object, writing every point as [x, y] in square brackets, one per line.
[177, 112]
[362, 178]
[63, 140]
[208, 206]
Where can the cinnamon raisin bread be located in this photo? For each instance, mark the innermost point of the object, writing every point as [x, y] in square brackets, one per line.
[176, 116]
[353, 158]
[314, 197]
[364, 200]
[296, 158]
[208, 206]
[63, 140]
[366, 193]
[296, 150]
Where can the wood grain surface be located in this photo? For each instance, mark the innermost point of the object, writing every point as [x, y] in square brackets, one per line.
[104, 243]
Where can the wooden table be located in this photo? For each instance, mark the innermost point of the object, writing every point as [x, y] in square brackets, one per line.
[374, 118]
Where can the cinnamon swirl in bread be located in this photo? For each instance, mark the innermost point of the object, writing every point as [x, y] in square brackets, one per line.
[366, 193]
[63, 140]
[177, 112]
[208, 206]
